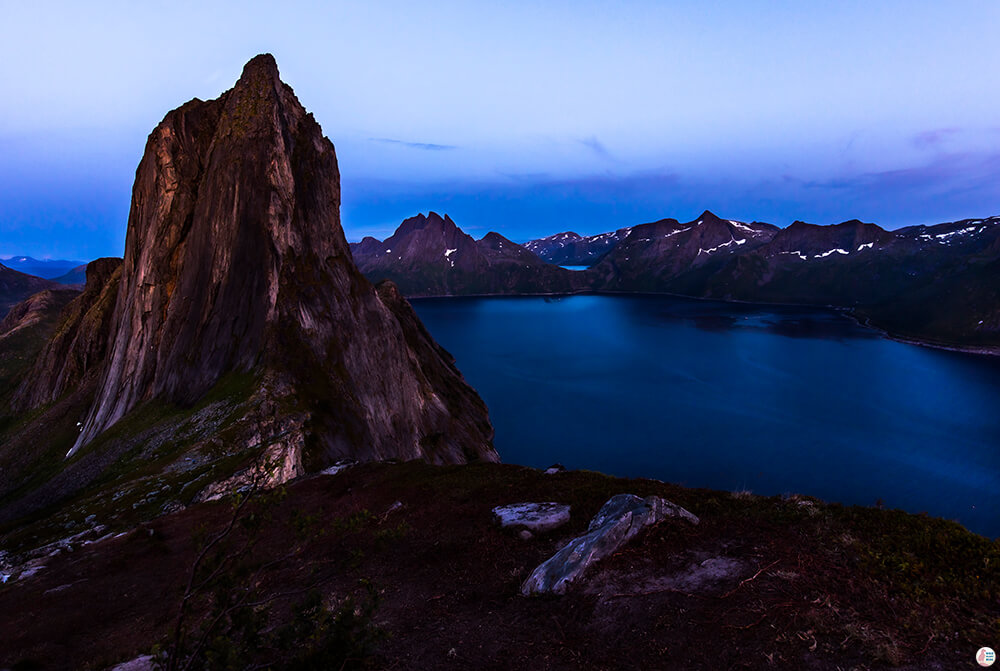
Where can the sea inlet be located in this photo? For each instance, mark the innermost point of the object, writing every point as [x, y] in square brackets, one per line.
[774, 400]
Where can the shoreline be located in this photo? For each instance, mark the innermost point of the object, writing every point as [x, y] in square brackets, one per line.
[847, 312]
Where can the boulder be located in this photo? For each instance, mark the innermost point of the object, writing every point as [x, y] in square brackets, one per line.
[141, 663]
[338, 466]
[618, 521]
[535, 517]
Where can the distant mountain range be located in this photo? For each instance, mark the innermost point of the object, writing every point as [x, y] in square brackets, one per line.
[58, 270]
[572, 249]
[431, 256]
[936, 284]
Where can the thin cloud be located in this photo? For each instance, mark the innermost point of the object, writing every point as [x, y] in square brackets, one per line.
[959, 170]
[596, 146]
[932, 139]
[426, 146]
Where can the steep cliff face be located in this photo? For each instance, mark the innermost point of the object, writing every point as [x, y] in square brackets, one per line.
[235, 260]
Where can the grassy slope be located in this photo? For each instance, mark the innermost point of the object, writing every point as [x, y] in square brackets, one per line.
[811, 586]
[128, 474]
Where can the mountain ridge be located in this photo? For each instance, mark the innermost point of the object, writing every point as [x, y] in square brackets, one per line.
[891, 280]
[431, 256]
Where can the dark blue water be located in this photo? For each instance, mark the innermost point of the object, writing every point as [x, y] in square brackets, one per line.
[769, 399]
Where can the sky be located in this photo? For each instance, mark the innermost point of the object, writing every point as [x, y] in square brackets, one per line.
[527, 118]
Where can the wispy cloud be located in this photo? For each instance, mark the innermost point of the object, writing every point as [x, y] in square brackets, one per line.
[426, 146]
[933, 139]
[947, 172]
[596, 146]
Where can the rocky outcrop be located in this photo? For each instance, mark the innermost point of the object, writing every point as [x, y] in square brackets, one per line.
[78, 346]
[618, 521]
[535, 517]
[431, 256]
[235, 260]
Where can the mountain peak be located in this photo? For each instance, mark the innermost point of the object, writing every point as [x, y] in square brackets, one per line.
[493, 238]
[708, 216]
[241, 265]
[432, 221]
[261, 69]
[434, 217]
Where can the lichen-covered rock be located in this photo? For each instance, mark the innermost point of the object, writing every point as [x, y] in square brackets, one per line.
[536, 517]
[235, 260]
[618, 521]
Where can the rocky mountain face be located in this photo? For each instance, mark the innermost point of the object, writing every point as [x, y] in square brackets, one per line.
[572, 249]
[431, 256]
[235, 259]
[16, 286]
[668, 255]
[237, 328]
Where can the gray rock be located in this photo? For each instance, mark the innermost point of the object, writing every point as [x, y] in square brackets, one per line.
[618, 521]
[536, 517]
[338, 466]
[142, 663]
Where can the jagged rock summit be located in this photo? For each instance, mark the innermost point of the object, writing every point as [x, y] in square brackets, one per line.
[235, 260]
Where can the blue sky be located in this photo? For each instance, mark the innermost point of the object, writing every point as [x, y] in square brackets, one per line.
[523, 117]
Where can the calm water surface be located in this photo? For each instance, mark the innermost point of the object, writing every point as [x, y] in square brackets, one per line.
[774, 400]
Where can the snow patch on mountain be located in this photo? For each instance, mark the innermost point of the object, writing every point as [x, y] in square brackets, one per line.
[832, 251]
[718, 247]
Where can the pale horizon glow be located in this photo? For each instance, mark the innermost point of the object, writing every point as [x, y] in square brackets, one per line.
[527, 119]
